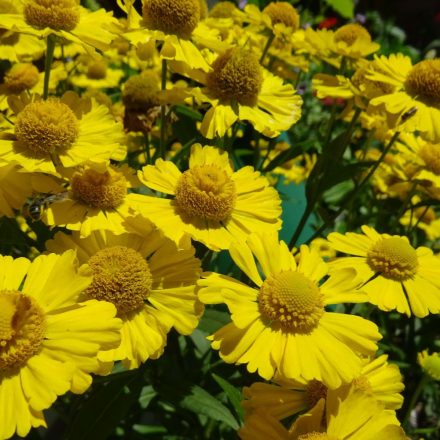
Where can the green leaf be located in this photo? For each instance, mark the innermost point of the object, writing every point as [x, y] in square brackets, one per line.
[234, 395]
[342, 7]
[212, 320]
[187, 111]
[147, 395]
[104, 409]
[202, 403]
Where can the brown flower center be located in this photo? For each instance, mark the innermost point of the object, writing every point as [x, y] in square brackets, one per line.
[423, 82]
[283, 12]
[21, 77]
[350, 33]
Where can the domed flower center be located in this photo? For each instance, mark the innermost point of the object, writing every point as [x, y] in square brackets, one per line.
[224, 9]
[350, 33]
[97, 70]
[105, 190]
[291, 300]
[282, 12]
[316, 436]
[236, 75]
[430, 154]
[141, 91]
[315, 391]
[22, 329]
[362, 383]
[176, 17]
[423, 82]
[21, 77]
[120, 276]
[207, 192]
[393, 258]
[59, 15]
[46, 127]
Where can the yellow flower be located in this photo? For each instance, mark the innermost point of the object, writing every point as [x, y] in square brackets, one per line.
[430, 363]
[151, 283]
[285, 398]
[353, 417]
[26, 77]
[211, 203]
[238, 88]
[95, 74]
[68, 129]
[96, 198]
[15, 188]
[175, 23]
[281, 326]
[393, 274]
[63, 18]
[49, 341]
[414, 102]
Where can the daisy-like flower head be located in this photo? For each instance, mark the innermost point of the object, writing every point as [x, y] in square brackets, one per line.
[212, 203]
[95, 198]
[68, 129]
[393, 274]
[175, 23]
[281, 326]
[282, 12]
[151, 283]
[414, 102]
[355, 416]
[63, 18]
[239, 88]
[430, 363]
[284, 399]
[49, 341]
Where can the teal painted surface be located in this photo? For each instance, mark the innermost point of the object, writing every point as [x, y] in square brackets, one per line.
[293, 204]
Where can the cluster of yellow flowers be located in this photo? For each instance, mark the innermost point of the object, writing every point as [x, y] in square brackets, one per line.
[121, 272]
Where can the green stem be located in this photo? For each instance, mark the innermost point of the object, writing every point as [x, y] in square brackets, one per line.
[48, 64]
[266, 48]
[357, 190]
[162, 111]
[414, 398]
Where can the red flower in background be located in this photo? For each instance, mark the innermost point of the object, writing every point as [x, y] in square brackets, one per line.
[328, 23]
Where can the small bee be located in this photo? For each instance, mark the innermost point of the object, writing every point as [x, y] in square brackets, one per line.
[34, 208]
[408, 114]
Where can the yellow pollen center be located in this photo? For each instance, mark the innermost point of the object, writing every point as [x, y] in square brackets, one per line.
[207, 192]
[175, 17]
[46, 127]
[223, 9]
[283, 12]
[292, 301]
[350, 33]
[21, 77]
[120, 276]
[423, 82]
[315, 391]
[105, 190]
[97, 70]
[22, 329]
[236, 75]
[430, 154]
[60, 15]
[393, 258]
[141, 91]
